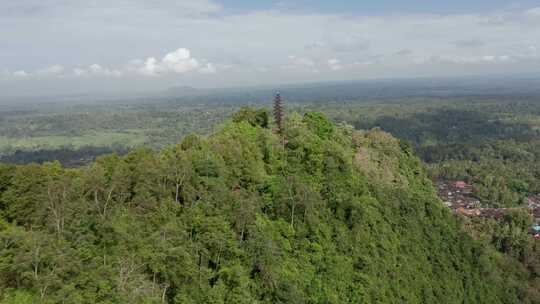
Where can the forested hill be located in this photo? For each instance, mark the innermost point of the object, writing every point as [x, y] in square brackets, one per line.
[319, 214]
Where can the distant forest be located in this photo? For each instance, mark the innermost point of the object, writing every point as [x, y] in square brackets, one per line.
[491, 142]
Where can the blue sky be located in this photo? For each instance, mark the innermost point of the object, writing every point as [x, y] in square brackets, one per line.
[61, 46]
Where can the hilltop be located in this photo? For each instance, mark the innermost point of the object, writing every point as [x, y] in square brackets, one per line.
[321, 213]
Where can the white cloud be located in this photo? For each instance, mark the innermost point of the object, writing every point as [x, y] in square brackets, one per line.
[54, 70]
[50, 71]
[533, 12]
[334, 64]
[79, 72]
[97, 71]
[366, 62]
[260, 41]
[208, 68]
[314, 45]
[176, 62]
[404, 52]
[179, 61]
[21, 74]
[492, 58]
[150, 67]
[469, 43]
[301, 61]
[484, 59]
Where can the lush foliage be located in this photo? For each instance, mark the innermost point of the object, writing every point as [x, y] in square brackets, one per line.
[494, 145]
[36, 132]
[319, 214]
[511, 236]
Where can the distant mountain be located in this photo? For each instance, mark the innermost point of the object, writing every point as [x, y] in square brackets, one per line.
[351, 90]
[183, 91]
[309, 92]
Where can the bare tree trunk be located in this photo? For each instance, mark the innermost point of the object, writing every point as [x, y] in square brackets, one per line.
[293, 205]
[54, 210]
[219, 254]
[164, 294]
[96, 200]
[106, 205]
[36, 263]
[42, 292]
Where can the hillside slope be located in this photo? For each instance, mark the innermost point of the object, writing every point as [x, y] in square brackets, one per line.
[322, 214]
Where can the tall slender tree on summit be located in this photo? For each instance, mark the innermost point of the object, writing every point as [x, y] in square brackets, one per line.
[278, 111]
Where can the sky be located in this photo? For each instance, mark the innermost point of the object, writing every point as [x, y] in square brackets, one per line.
[67, 47]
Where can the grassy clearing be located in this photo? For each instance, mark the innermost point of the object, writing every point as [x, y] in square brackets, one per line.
[95, 139]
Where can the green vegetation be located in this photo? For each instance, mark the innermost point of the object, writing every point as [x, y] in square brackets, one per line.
[118, 127]
[494, 145]
[491, 143]
[511, 236]
[318, 214]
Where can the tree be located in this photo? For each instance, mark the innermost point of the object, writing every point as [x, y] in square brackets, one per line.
[278, 111]
[255, 117]
[241, 216]
[178, 169]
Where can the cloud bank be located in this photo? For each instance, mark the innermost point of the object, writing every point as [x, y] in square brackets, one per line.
[194, 42]
[179, 61]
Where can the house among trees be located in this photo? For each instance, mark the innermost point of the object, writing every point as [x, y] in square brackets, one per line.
[460, 184]
[536, 231]
[533, 202]
[456, 195]
[463, 187]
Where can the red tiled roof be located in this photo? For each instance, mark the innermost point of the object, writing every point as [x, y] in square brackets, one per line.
[460, 184]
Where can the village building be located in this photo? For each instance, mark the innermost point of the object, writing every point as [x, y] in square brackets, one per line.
[458, 196]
